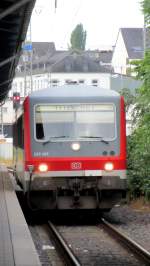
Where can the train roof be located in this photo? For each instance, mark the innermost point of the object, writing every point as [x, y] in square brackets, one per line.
[74, 91]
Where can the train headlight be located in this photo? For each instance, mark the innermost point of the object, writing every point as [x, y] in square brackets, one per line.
[43, 167]
[108, 166]
[75, 146]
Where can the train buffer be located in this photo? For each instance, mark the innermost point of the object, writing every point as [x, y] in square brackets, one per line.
[16, 245]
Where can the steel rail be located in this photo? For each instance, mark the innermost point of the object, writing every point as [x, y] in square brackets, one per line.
[135, 247]
[69, 256]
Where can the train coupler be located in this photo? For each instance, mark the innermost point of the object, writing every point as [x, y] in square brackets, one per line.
[76, 192]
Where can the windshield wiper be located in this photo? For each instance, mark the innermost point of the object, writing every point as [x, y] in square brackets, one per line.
[48, 140]
[95, 137]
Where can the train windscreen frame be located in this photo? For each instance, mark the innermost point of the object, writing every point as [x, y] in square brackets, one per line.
[74, 121]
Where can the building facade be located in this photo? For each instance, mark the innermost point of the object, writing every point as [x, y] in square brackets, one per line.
[129, 46]
[47, 67]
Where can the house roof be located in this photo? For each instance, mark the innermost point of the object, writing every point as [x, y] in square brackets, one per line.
[106, 56]
[133, 39]
[77, 62]
[103, 56]
[63, 61]
[47, 50]
[43, 48]
[39, 50]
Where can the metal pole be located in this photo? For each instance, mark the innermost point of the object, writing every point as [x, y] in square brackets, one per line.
[31, 58]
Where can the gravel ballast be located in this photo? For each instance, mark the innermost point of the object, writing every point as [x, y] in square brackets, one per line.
[133, 222]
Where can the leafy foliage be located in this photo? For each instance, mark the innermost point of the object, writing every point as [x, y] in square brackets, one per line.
[138, 162]
[139, 141]
[78, 38]
[146, 10]
[129, 98]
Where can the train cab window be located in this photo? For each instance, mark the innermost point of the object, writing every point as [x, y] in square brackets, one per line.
[75, 121]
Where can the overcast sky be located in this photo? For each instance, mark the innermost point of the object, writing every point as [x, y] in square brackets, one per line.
[101, 19]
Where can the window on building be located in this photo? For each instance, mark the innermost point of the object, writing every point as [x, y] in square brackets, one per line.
[94, 82]
[70, 81]
[81, 81]
[54, 82]
[67, 81]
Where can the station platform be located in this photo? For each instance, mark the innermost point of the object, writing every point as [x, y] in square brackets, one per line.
[16, 245]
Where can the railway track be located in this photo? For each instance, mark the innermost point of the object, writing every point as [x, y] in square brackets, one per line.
[127, 241]
[109, 251]
[100, 244]
[51, 246]
[62, 246]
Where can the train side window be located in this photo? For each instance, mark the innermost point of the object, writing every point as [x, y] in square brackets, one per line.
[39, 131]
[20, 132]
[15, 134]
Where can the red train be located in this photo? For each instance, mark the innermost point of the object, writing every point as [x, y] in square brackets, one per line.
[70, 148]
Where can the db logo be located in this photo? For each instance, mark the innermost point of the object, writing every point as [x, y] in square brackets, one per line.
[76, 165]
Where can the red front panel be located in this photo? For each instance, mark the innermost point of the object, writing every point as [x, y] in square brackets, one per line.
[76, 163]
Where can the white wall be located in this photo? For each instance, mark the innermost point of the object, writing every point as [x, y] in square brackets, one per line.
[42, 81]
[120, 56]
[17, 86]
[7, 112]
[103, 80]
[6, 150]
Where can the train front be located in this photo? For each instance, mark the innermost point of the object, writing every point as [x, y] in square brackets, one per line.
[76, 151]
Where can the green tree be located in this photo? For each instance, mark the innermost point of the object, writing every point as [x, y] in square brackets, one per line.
[139, 141]
[129, 98]
[78, 38]
[146, 10]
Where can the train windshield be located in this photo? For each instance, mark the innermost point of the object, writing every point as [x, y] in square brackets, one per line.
[75, 121]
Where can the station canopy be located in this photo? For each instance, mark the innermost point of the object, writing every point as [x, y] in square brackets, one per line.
[14, 19]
